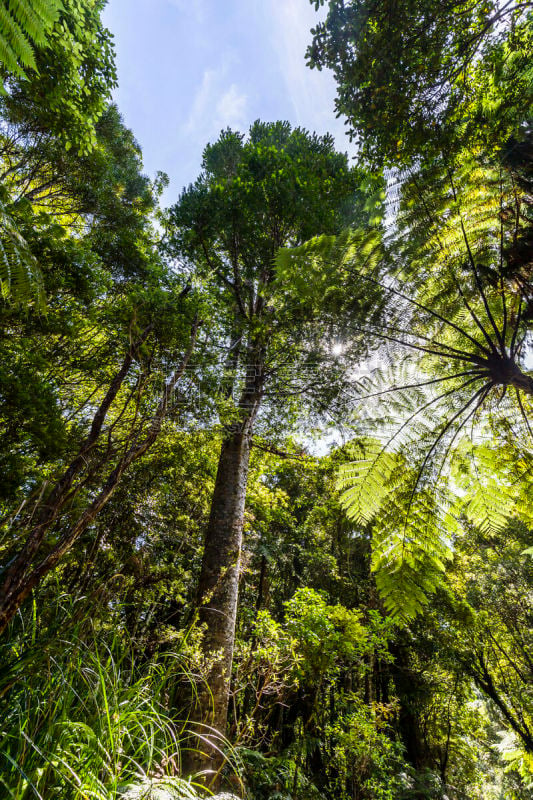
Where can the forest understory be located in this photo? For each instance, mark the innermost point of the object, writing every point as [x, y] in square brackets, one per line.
[266, 453]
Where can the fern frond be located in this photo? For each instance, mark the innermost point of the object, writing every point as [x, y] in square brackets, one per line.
[454, 302]
[409, 565]
[365, 482]
[33, 23]
[13, 35]
[489, 481]
[20, 277]
[24, 24]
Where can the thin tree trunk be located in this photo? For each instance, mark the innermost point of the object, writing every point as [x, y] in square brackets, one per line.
[408, 686]
[262, 584]
[64, 488]
[22, 575]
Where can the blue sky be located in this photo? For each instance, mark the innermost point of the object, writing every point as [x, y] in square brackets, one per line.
[189, 68]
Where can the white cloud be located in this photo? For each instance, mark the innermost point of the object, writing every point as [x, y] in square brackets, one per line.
[202, 98]
[312, 93]
[231, 108]
[216, 106]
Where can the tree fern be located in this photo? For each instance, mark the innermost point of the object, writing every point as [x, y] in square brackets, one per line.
[24, 24]
[457, 298]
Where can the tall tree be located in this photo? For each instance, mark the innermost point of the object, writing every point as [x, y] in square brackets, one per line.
[276, 187]
[418, 76]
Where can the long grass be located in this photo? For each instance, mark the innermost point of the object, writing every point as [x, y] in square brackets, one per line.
[80, 719]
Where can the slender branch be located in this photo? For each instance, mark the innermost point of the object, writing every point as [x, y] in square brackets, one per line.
[24, 582]
[281, 453]
[62, 489]
[523, 412]
[513, 347]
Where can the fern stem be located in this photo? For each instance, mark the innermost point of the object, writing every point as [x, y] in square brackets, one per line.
[461, 353]
[475, 273]
[430, 311]
[421, 383]
[466, 357]
[483, 391]
[523, 412]
[513, 348]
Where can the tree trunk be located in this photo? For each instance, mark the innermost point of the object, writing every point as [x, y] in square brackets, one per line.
[218, 585]
[218, 591]
[409, 689]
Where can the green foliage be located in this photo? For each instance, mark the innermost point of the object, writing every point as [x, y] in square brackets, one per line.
[282, 172]
[25, 24]
[419, 76]
[499, 491]
[55, 106]
[363, 760]
[277, 777]
[325, 635]
[69, 89]
[488, 627]
[305, 267]
[275, 187]
[364, 756]
[316, 274]
[452, 328]
[409, 680]
[408, 556]
[315, 641]
[91, 721]
[20, 277]
[445, 97]
[308, 655]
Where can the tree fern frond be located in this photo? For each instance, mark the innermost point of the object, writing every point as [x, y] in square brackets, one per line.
[35, 17]
[12, 33]
[485, 477]
[454, 309]
[20, 277]
[366, 481]
[409, 568]
[23, 25]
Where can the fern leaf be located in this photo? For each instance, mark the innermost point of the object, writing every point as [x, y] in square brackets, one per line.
[12, 32]
[20, 277]
[24, 24]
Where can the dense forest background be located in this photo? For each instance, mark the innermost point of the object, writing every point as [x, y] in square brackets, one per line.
[198, 590]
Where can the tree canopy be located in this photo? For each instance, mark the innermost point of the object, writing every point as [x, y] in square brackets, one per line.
[418, 76]
[266, 454]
